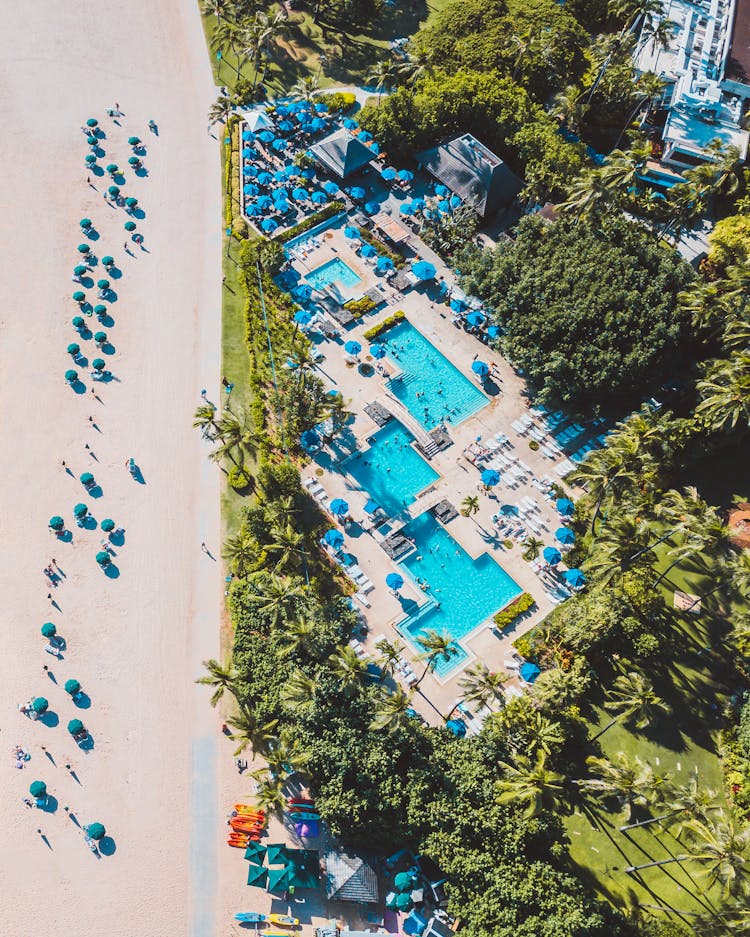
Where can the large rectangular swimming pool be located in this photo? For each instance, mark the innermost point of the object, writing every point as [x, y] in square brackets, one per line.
[430, 387]
[390, 470]
[463, 592]
[334, 271]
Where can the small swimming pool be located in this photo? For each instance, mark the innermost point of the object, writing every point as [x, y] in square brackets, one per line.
[334, 271]
[390, 470]
[430, 387]
[462, 592]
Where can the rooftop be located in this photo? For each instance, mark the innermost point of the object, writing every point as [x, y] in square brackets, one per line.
[350, 878]
[342, 153]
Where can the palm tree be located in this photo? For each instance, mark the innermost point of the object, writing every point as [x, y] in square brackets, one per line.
[436, 648]
[220, 110]
[633, 699]
[241, 552]
[587, 197]
[532, 782]
[392, 711]
[698, 525]
[725, 393]
[221, 9]
[279, 598]
[389, 654]
[623, 544]
[570, 108]
[481, 686]
[300, 637]
[546, 734]
[684, 803]
[384, 74]
[204, 419]
[270, 795]
[222, 677]
[250, 732]
[415, 66]
[298, 692]
[257, 36]
[236, 437]
[348, 668]
[287, 544]
[635, 12]
[284, 756]
[721, 845]
[633, 784]
[226, 36]
[305, 89]
[723, 174]
[622, 171]
[531, 548]
[470, 505]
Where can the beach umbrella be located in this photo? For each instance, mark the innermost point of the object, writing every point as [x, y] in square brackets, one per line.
[281, 175]
[490, 477]
[83, 248]
[248, 135]
[250, 189]
[529, 672]
[278, 144]
[48, 629]
[508, 509]
[79, 296]
[308, 126]
[303, 317]
[417, 204]
[80, 510]
[300, 195]
[92, 122]
[334, 393]
[71, 376]
[565, 535]
[318, 198]
[458, 305]
[384, 264]
[73, 349]
[334, 538]
[351, 232]
[85, 223]
[103, 558]
[454, 201]
[371, 208]
[250, 172]
[406, 208]
[308, 173]
[134, 141]
[134, 161]
[309, 438]
[389, 173]
[350, 124]
[75, 726]
[103, 284]
[564, 506]
[423, 270]
[265, 136]
[79, 270]
[250, 153]
[38, 789]
[339, 507]
[352, 347]
[551, 555]
[108, 261]
[114, 191]
[95, 830]
[90, 158]
[87, 478]
[493, 331]
[285, 126]
[475, 319]
[279, 879]
[131, 202]
[321, 108]
[377, 350]
[394, 581]
[255, 853]
[404, 882]
[375, 147]
[252, 210]
[317, 123]
[72, 687]
[403, 901]
[574, 577]
[364, 136]
[269, 225]
[98, 364]
[56, 522]
[282, 206]
[39, 704]
[444, 207]
[256, 874]
[368, 251]
[100, 309]
[357, 192]
[330, 187]
[78, 322]
[129, 226]
[404, 175]
[265, 201]
[441, 190]
[302, 293]
[107, 525]
[92, 141]
[112, 168]
[264, 177]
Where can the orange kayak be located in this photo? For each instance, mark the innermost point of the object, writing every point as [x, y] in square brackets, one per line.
[249, 809]
[241, 843]
[245, 826]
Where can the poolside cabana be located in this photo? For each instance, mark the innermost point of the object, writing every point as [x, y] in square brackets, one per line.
[342, 154]
[474, 173]
[258, 120]
[395, 232]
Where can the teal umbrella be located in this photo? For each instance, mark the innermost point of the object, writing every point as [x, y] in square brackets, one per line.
[92, 141]
[92, 122]
[73, 349]
[103, 558]
[107, 525]
[95, 830]
[403, 902]
[80, 510]
[112, 168]
[108, 261]
[56, 523]
[75, 726]
[100, 337]
[90, 158]
[403, 882]
[73, 687]
[85, 223]
[71, 376]
[79, 296]
[87, 478]
[100, 310]
[80, 270]
[129, 226]
[131, 202]
[98, 364]
[83, 248]
[48, 629]
[103, 284]
[38, 789]
[257, 876]
[78, 322]
[39, 704]
[255, 852]
[134, 161]
[134, 141]
[113, 191]
[279, 879]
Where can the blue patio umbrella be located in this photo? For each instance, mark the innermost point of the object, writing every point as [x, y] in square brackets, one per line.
[404, 175]
[480, 369]
[423, 270]
[389, 173]
[249, 153]
[351, 232]
[490, 478]
[309, 438]
[551, 555]
[375, 147]
[457, 727]
[339, 507]
[281, 175]
[368, 251]
[493, 331]
[350, 124]
[248, 135]
[475, 319]
[443, 206]
[308, 127]
[334, 393]
[321, 108]
[441, 190]
[269, 225]
[265, 136]
[564, 506]
[265, 177]
[394, 581]
[334, 538]
[317, 123]
[308, 173]
[280, 195]
[454, 201]
[250, 189]
[278, 145]
[384, 264]
[574, 577]
[300, 195]
[458, 305]
[330, 187]
[318, 197]
[302, 293]
[372, 507]
[282, 206]
[529, 672]
[252, 210]
[282, 110]
[509, 509]
[371, 208]
[417, 204]
[406, 208]
[303, 317]
[565, 535]
[364, 136]
[285, 126]
[377, 350]
[250, 172]
[357, 192]
[352, 347]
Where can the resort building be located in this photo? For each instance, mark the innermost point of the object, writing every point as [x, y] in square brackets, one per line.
[477, 175]
[350, 878]
[342, 154]
[706, 68]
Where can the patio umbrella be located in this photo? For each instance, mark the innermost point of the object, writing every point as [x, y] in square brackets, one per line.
[321, 108]
[368, 251]
[280, 195]
[112, 168]
[133, 161]
[403, 901]
[134, 141]
[300, 195]
[257, 875]
[92, 122]
[95, 830]
[493, 331]
[85, 223]
[318, 197]
[564, 506]
[114, 191]
[441, 190]
[575, 577]
[56, 523]
[75, 726]
[71, 376]
[351, 232]
[92, 141]
[264, 202]
[250, 189]
[529, 672]
[490, 477]
[334, 538]
[384, 264]
[72, 687]
[90, 158]
[255, 852]
[107, 525]
[454, 201]
[79, 270]
[80, 510]
[285, 126]
[551, 555]
[308, 173]
[48, 629]
[352, 347]
[282, 206]
[317, 123]
[103, 284]
[38, 789]
[330, 187]
[377, 350]
[265, 136]
[108, 261]
[406, 208]
[279, 879]
[350, 124]
[357, 192]
[248, 135]
[100, 309]
[443, 207]
[83, 248]
[78, 322]
[371, 208]
[394, 581]
[475, 319]
[403, 882]
[389, 173]
[281, 175]
[364, 136]
[309, 438]
[39, 704]
[458, 305]
[565, 535]
[333, 393]
[480, 368]
[307, 127]
[103, 558]
[264, 177]
[375, 147]
[423, 270]
[98, 364]
[131, 202]
[279, 144]
[87, 478]
[73, 349]
[129, 226]
[417, 204]
[250, 153]
[404, 175]
[303, 317]
[79, 296]
[269, 225]
[508, 509]
[249, 172]
[302, 293]
[339, 507]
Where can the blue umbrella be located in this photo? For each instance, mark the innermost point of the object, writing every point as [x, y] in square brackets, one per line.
[330, 187]
[307, 128]
[250, 172]
[269, 225]
[264, 177]
[508, 509]
[458, 305]
[441, 190]
[454, 201]
[300, 195]
[444, 207]
[303, 317]
[308, 173]
[480, 369]
[423, 270]
[490, 478]
[368, 251]
[406, 208]
[351, 232]
[404, 175]
[248, 135]
[352, 347]
[364, 136]
[493, 331]
[280, 195]
[339, 507]
[282, 206]
[394, 581]
[281, 175]
[265, 136]
[357, 192]
[281, 110]
[334, 538]
[333, 393]
[371, 208]
[249, 153]
[252, 209]
[475, 318]
[575, 577]
[565, 535]
[350, 124]
[564, 506]
[318, 198]
[278, 145]
[317, 123]
[417, 204]
[551, 555]
[389, 173]
[302, 293]
[384, 264]
[457, 727]
[309, 438]
[321, 108]
[377, 350]
[529, 672]
[375, 147]
[250, 189]
[285, 126]
[264, 202]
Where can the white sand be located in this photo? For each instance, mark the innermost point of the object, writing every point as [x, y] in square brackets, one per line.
[135, 642]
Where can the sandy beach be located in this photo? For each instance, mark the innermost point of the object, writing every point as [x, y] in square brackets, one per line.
[134, 639]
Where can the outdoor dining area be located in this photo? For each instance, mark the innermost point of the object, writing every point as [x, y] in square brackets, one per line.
[280, 868]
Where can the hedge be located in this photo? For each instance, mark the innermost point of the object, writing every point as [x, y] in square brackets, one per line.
[360, 307]
[238, 222]
[338, 100]
[311, 221]
[517, 607]
[381, 248]
[386, 324]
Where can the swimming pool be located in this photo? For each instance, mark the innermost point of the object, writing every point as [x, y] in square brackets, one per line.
[464, 592]
[390, 470]
[431, 388]
[334, 271]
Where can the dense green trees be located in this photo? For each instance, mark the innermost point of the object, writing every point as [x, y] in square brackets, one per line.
[588, 341]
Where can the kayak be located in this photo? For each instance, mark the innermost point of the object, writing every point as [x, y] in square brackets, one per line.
[250, 917]
[242, 843]
[284, 919]
[305, 816]
[245, 827]
[248, 808]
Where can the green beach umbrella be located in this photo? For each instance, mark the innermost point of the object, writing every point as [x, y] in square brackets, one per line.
[131, 202]
[134, 161]
[404, 902]
[113, 191]
[71, 376]
[100, 309]
[102, 558]
[92, 141]
[48, 629]
[78, 322]
[73, 687]
[257, 876]
[278, 879]
[75, 726]
[39, 704]
[90, 158]
[98, 364]
[38, 789]
[73, 349]
[103, 284]
[107, 525]
[80, 510]
[80, 270]
[79, 296]
[108, 261]
[92, 122]
[403, 881]
[112, 168]
[85, 223]
[83, 248]
[255, 852]
[276, 854]
[129, 226]
[100, 337]
[134, 141]
[95, 830]
[87, 478]
[56, 523]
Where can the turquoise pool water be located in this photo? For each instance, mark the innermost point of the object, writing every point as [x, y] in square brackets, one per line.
[431, 388]
[468, 591]
[390, 470]
[334, 271]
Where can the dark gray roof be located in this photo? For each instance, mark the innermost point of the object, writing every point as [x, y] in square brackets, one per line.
[342, 153]
[350, 878]
[474, 173]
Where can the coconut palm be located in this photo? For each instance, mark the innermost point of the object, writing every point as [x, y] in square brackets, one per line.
[204, 419]
[723, 174]
[531, 548]
[685, 202]
[392, 711]
[622, 171]
[280, 597]
[481, 686]
[632, 783]
[348, 668]
[546, 733]
[698, 526]
[624, 544]
[570, 108]
[587, 197]
[305, 89]
[530, 782]
[634, 701]
[435, 648]
[236, 438]
[388, 655]
[241, 552]
[226, 37]
[683, 803]
[286, 545]
[470, 505]
[250, 732]
[725, 393]
[636, 13]
[221, 9]
[222, 677]
[384, 74]
[284, 756]
[415, 65]
[300, 637]
[721, 845]
[270, 795]
[298, 692]
[220, 110]
[281, 511]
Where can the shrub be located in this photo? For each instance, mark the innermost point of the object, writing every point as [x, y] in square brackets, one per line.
[517, 607]
[369, 238]
[338, 100]
[533, 445]
[360, 307]
[386, 324]
[524, 648]
[318, 217]
[240, 478]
